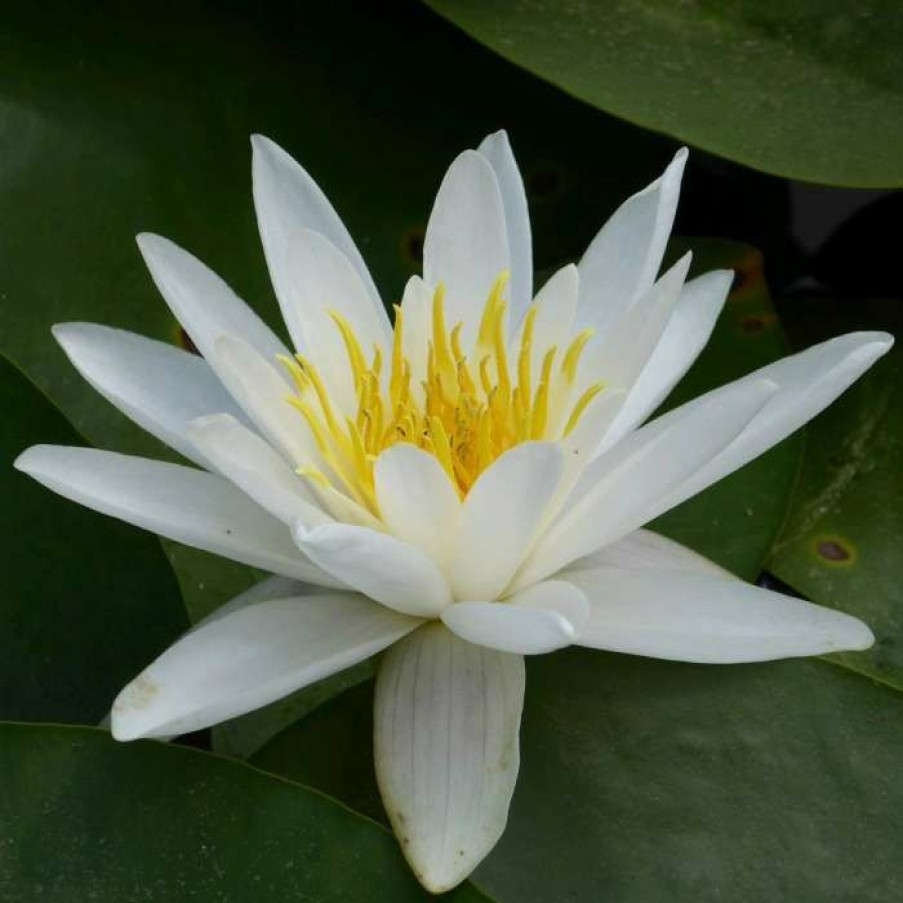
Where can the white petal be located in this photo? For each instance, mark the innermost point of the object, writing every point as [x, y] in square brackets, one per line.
[180, 503]
[417, 501]
[160, 387]
[497, 150]
[500, 518]
[699, 617]
[386, 569]
[265, 591]
[258, 387]
[446, 721]
[417, 315]
[623, 259]
[545, 617]
[630, 484]
[318, 280]
[205, 306]
[807, 383]
[288, 200]
[252, 465]
[556, 306]
[342, 508]
[645, 549]
[684, 337]
[466, 244]
[621, 356]
[250, 657]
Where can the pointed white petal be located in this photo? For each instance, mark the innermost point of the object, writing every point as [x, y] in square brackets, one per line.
[556, 306]
[623, 259]
[684, 337]
[382, 567]
[205, 306]
[466, 244]
[417, 315]
[250, 657]
[251, 464]
[645, 549]
[500, 518]
[180, 503]
[258, 387]
[700, 617]
[630, 484]
[807, 383]
[158, 386]
[545, 617]
[497, 150]
[446, 721]
[621, 356]
[320, 280]
[288, 200]
[417, 501]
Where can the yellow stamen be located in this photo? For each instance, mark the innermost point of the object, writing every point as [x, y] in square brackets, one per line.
[475, 405]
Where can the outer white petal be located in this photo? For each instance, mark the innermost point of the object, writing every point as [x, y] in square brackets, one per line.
[623, 259]
[497, 150]
[807, 383]
[500, 518]
[446, 719]
[645, 549]
[684, 337]
[382, 567]
[466, 243]
[545, 617]
[160, 387]
[319, 279]
[288, 200]
[252, 656]
[252, 465]
[205, 306]
[258, 387]
[417, 501]
[631, 483]
[192, 507]
[699, 617]
[271, 588]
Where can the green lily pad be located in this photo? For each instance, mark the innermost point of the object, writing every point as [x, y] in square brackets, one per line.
[811, 91]
[646, 781]
[86, 601]
[840, 545]
[86, 818]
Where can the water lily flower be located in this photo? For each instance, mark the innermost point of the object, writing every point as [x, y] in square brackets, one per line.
[462, 488]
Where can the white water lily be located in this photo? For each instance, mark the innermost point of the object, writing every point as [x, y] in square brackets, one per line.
[466, 487]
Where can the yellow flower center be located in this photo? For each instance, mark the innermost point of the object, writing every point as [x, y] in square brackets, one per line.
[468, 413]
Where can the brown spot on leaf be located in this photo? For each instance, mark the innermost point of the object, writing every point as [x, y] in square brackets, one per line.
[835, 551]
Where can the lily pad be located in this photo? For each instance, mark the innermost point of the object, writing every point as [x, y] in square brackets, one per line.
[810, 91]
[840, 545]
[86, 818]
[86, 601]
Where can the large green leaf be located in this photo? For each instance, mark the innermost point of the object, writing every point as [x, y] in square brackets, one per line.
[735, 521]
[85, 818]
[811, 90]
[117, 118]
[86, 601]
[649, 781]
[841, 543]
